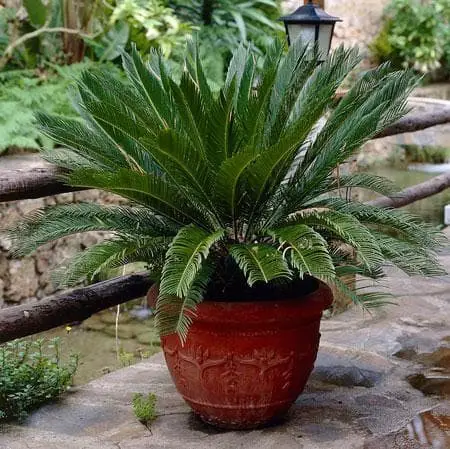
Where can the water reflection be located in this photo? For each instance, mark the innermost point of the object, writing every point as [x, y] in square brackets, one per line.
[428, 430]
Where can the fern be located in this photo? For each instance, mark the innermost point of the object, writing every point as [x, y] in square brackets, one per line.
[219, 192]
[22, 94]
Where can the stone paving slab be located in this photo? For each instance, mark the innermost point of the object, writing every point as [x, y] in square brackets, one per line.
[358, 396]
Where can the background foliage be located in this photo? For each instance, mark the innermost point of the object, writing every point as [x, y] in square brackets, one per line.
[34, 46]
[24, 92]
[415, 33]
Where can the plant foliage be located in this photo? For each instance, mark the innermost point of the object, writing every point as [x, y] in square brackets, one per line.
[22, 94]
[144, 407]
[31, 374]
[231, 188]
[415, 33]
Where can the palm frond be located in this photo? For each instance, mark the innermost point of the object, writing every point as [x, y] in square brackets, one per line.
[410, 258]
[148, 190]
[374, 183]
[260, 262]
[293, 72]
[345, 228]
[306, 250]
[111, 254]
[185, 257]
[49, 224]
[174, 314]
[147, 82]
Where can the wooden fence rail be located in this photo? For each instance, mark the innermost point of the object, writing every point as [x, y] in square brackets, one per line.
[73, 306]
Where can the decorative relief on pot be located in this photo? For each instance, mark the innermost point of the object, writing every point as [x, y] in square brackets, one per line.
[195, 367]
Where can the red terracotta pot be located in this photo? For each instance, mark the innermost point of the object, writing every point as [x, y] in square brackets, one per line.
[245, 363]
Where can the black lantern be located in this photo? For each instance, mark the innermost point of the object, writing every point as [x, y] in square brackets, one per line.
[312, 24]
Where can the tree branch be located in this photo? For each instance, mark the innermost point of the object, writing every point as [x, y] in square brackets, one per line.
[76, 305]
[415, 193]
[417, 122]
[22, 39]
[25, 177]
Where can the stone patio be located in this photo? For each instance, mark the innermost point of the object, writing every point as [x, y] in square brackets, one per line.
[358, 396]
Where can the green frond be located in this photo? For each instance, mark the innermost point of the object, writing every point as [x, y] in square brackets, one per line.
[192, 112]
[306, 250]
[260, 262]
[85, 141]
[111, 254]
[272, 167]
[147, 82]
[45, 225]
[293, 72]
[374, 183]
[175, 315]
[367, 300]
[401, 224]
[228, 185]
[345, 228]
[184, 259]
[410, 258]
[241, 72]
[148, 190]
[67, 159]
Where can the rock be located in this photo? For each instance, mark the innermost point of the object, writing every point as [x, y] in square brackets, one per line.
[349, 369]
[431, 382]
[23, 282]
[109, 317]
[93, 324]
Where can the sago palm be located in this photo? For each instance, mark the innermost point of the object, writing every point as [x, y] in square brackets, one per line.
[230, 191]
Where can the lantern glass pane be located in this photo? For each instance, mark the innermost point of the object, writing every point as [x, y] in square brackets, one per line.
[325, 32]
[306, 32]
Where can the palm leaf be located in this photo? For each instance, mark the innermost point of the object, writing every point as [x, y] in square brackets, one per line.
[306, 250]
[174, 315]
[260, 263]
[189, 249]
[149, 190]
[111, 254]
[346, 228]
[52, 223]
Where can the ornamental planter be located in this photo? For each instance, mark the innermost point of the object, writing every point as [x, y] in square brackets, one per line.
[245, 363]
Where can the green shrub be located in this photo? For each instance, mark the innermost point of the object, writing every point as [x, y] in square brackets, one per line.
[144, 407]
[426, 154]
[415, 34]
[31, 373]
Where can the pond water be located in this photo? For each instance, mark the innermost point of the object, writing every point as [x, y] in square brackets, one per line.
[95, 343]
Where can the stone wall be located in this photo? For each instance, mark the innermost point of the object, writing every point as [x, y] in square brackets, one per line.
[361, 20]
[29, 278]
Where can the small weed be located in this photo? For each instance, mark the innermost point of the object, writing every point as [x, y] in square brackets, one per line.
[144, 407]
